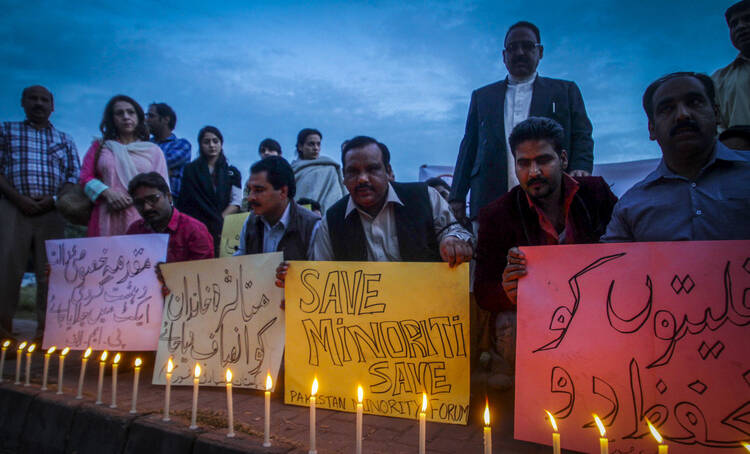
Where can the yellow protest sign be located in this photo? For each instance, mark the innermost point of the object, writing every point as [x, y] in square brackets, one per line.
[230, 234]
[397, 329]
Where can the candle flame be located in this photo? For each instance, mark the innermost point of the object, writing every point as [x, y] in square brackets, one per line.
[6, 344]
[22, 345]
[170, 365]
[314, 386]
[197, 371]
[269, 382]
[31, 348]
[552, 421]
[104, 356]
[116, 359]
[65, 351]
[600, 426]
[229, 376]
[138, 362]
[746, 445]
[51, 350]
[487, 413]
[360, 394]
[424, 402]
[87, 353]
[655, 432]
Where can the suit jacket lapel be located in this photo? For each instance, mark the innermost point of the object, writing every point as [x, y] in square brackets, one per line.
[540, 99]
[496, 103]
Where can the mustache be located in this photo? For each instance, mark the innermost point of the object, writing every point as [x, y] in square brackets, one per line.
[364, 186]
[687, 124]
[520, 59]
[537, 180]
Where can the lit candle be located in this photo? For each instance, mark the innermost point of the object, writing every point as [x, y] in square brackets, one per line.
[663, 449]
[102, 365]
[19, 358]
[84, 360]
[360, 395]
[47, 356]
[29, 351]
[170, 367]
[115, 362]
[6, 344]
[423, 424]
[267, 429]
[230, 406]
[196, 379]
[60, 370]
[603, 442]
[487, 429]
[555, 434]
[312, 415]
[745, 445]
[135, 384]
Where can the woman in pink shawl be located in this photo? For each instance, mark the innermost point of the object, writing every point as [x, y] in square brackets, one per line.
[112, 161]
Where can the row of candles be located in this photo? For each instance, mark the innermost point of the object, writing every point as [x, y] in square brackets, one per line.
[422, 417]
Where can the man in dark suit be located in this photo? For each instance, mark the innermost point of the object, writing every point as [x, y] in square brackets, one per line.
[484, 163]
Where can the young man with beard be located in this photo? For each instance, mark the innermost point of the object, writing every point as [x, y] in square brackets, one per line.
[547, 207]
[189, 239]
[162, 120]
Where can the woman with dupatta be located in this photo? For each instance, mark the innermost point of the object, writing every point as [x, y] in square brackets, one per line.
[211, 188]
[112, 161]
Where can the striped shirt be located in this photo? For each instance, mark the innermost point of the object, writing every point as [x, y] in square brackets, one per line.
[37, 162]
[177, 153]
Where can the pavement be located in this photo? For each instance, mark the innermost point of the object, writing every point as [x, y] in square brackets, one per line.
[32, 420]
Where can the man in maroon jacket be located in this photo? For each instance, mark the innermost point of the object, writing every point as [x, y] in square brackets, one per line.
[548, 207]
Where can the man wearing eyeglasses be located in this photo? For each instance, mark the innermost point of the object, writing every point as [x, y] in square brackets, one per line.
[484, 163]
[188, 237]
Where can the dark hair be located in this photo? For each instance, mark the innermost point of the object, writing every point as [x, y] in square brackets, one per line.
[648, 96]
[269, 144]
[524, 24]
[314, 206]
[363, 141]
[107, 126]
[742, 131]
[164, 110]
[278, 172]
[150, 180]
[537, 128]
[212, 129]
[435, 182]
[736, 8]
[302, 136]
[27, 89]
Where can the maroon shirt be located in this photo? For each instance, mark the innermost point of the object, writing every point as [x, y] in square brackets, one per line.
[188, 237]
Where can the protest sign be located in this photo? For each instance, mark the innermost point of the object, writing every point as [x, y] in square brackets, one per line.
[635, 332]
[397, 329]
[103, 292]
[222, 313]
[230, 234]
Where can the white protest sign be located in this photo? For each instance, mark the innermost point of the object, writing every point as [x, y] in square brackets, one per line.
[222, 313]
[104, 293]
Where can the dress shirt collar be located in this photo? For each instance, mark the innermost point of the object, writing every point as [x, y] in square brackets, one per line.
[283, 221]
[513, 81]
[171, 138]
[26, 122]
[721, 153]
[390, 198]
[174, 221]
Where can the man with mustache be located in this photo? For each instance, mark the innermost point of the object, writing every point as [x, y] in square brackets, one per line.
[277, 222]
[36, 162]
[700, 189]
[189, 239]
[484, 164]
[547, 207]
[733, 81]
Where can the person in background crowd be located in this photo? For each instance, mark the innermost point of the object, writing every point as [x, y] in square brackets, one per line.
[736, 137]
[733, 81]
[547, 207]
[277, 222]
[484, 164]
[112, 161]
[36, 162]
[699, 191]
[211, 188]
[269, 147]
[313, 205]
[161, 120]
[188, 238]
[318, 177]
[444, 190]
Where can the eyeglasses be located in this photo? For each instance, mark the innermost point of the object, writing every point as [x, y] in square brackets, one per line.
[150, 199]
[526, 46]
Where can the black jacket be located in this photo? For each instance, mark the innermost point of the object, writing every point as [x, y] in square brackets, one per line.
[297, 237]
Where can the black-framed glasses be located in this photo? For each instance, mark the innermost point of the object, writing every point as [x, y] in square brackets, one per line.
[525, 45]
[152, 200]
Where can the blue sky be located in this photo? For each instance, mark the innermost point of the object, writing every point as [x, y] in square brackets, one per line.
[402, 72]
